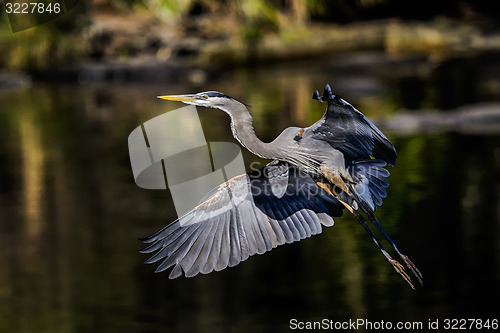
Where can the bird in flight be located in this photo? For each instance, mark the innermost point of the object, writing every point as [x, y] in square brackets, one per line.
[316, 172]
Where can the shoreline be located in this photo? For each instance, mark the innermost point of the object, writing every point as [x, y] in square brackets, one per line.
[126, 52]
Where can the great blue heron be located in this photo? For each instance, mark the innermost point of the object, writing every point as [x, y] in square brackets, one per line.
[316, 172]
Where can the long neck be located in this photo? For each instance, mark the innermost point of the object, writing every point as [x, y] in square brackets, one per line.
[243, 131]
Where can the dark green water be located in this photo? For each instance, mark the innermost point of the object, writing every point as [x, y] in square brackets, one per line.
[71, 214]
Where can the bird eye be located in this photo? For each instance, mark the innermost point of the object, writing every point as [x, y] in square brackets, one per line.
[205, 97]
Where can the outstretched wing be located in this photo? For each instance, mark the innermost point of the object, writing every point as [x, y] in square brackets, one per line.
[251, 213]
[349, 131]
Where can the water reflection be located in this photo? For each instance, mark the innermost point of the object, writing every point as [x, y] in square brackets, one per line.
[71, 215]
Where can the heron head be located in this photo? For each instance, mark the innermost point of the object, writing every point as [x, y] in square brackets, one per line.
[211, 99]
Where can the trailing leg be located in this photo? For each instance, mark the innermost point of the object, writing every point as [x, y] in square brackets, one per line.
[404, 257]
[397, 266]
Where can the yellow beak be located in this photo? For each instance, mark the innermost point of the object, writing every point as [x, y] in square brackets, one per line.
[179, 98]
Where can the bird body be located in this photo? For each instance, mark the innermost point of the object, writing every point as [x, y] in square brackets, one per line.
[336, 163]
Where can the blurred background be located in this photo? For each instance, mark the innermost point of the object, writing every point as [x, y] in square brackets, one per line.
[72, 89]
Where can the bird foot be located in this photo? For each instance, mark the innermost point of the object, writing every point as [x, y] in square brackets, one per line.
[401, 271]
[413, 269]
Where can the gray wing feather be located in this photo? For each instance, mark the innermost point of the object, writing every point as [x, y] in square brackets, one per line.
[224, 249]
[274, 221]
[238, 241]
[213, 251]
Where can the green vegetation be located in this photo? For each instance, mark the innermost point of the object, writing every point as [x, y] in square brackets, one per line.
[44, 46]
[242, 31]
